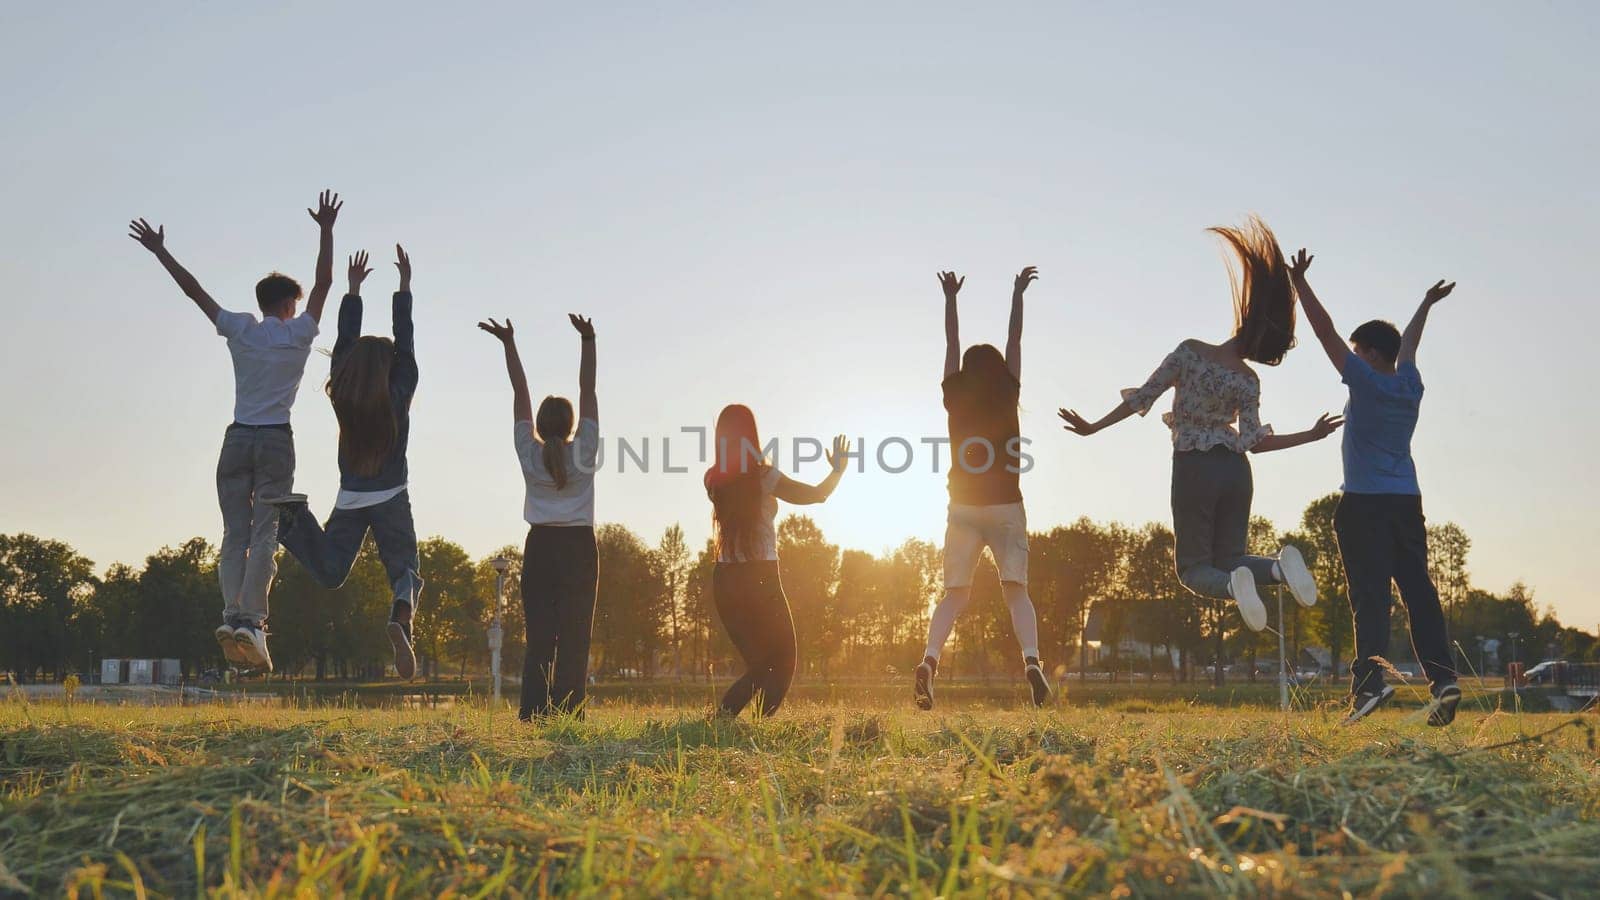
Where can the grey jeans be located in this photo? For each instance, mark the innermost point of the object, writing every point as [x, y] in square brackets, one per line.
[255, 462]
[1211, 493]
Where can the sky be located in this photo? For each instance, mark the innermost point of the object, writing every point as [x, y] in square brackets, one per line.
[751, 201]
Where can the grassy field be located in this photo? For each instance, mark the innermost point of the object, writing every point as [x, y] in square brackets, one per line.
[855, 795]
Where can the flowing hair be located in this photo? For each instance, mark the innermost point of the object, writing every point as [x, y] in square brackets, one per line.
[1263, 297]
[358, 386]
[734, 481]
[989, 379]
[553, 424]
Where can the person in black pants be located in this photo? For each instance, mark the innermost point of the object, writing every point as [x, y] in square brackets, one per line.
[745, 489]
[559, 569]
[1383, 536]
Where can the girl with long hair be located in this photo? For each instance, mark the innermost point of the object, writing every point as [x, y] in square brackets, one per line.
[745, 489]
[1215, 420]
[370, 385]
[982, 389]
[559, 568]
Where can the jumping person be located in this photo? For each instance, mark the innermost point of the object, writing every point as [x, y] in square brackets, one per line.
[1215, 388]
[1383, 537]
[559, 568]
[981, 391]
[257, 459]
[745, 489]
[370, 384]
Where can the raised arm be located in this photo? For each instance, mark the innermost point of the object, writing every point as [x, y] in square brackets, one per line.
[1326, 424]
[405, 333]
[801, 494]
[1014, 332]
[1077, 424]
[521, 400]
[328, 206]
[1136, 400]
[1412, 336]
[1321, 322]
[588, 404]
[154, 240]
[350, 308]
[952, 322]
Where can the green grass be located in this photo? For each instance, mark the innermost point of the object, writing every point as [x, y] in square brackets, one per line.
[1139, 796]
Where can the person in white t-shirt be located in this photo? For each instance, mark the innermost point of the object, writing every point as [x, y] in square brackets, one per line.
[559, 565]
[257, 459]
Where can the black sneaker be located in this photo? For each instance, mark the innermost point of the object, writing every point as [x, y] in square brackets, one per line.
[286, 505]
[1038, 683]
[924, 688]
[1445, 701]
[1367, 701]
[405, 658]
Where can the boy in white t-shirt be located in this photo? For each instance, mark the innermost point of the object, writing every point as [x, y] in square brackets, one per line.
[257, 459]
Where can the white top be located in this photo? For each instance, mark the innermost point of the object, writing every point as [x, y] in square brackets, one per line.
[269, 356]
[364, 499]
[545, 504]
[1209, 397]
[766, 536]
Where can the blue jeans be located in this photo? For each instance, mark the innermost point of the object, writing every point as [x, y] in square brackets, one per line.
[329, 551]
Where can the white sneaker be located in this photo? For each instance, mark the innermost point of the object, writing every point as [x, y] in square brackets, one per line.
[230, 646]
[1295, 574]
[1242, 585]
[252, 643]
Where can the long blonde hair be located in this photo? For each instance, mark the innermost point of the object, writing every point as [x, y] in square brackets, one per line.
[553, 424]
[1263, 297]
[359, 389]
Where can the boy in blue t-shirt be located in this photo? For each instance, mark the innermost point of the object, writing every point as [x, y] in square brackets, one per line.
[1383, 536]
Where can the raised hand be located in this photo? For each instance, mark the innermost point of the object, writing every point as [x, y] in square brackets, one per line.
[151, 239]
[1024, 278]
[503, 332]
[1075, 423]
[951, 284]
[328, 206]
[585, 326]
[402, 261]
[1438, 292]
[358, 271]
[839, 456]
[1327, 424]
[1299, 264]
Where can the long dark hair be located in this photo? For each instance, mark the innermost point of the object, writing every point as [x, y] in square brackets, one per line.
[359, 389]
[988, 378]
[553, 425]
[734, 481]
[1263, 297]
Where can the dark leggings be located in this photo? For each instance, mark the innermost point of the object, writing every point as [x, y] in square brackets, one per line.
[750, 602]
[558, 586]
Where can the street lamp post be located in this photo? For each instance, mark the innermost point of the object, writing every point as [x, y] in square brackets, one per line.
[496, 632]
[1515, 676]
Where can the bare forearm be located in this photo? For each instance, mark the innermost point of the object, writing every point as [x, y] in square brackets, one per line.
[1122, 411]
[952, 336]
[1412, 336]
[324, 275]
[588, 403]
[1284, 441]
[188, 284]
[1014, 336]
[521, 400]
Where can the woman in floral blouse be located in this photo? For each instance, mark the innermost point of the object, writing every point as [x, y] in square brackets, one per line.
[1215, 420]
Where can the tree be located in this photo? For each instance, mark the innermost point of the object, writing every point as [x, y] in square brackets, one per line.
[42, 584]
[450, 612]
[672, 571]
[1332, 625]
[629, 618]
[809, 568]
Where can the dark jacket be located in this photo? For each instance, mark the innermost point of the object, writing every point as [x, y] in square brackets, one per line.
[402, 386]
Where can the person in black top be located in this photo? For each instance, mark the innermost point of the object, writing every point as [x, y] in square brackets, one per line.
[981, 391]
[371, 384]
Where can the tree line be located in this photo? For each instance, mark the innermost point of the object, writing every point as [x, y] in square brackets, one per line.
[856, 613]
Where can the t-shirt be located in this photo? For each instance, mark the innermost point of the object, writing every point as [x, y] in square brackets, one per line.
[269, 357]
[1379, 420]
[984, 450]
[545, 504]
[764, 540]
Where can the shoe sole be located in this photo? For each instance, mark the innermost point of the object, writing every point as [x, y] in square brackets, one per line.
[1251, 609]
[1444, 708]
[1297, 576]
[924, 689]
[254, 656]
[1367, 708]
[1040, 687]
[230, 647]
[405, 659]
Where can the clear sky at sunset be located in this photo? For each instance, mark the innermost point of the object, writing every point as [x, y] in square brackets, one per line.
[751, 200]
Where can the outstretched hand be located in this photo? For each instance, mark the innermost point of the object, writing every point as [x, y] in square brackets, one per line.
[328, 206]
[585, 326]
[1075, 423]
[951, 284]
[1438, 292]
[504, 332]
[839, 456]
[402, 261]
[1299, 264]
[358, 272]
[1327, 424]
[151, 239]
[1024, 278]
